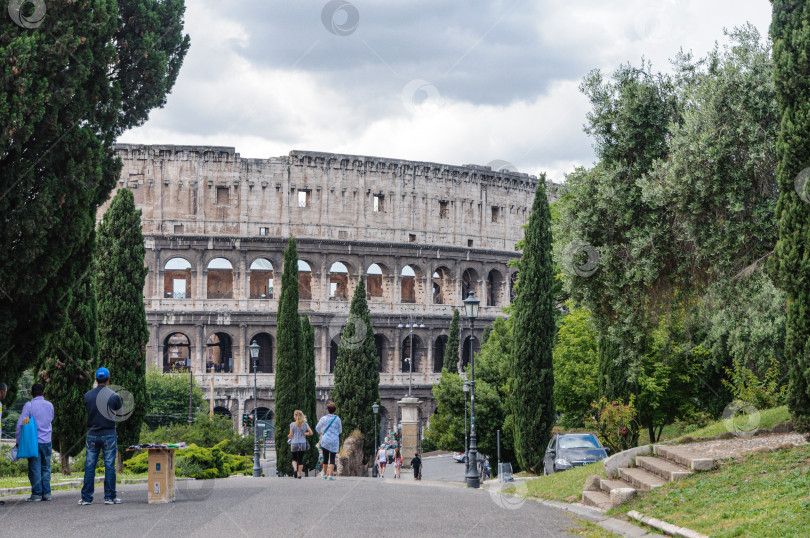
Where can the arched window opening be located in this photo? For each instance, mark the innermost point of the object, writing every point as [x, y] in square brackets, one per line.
[469, 282]
[439, 348]
[374, 281]
[176, 353]
[218, 353]
[304, 281]
[381, 342]
[338, 282]
[418, 354]
[264, 363]
[494, 287]
[261, 279]
[441, 286]
[220, 279]
[177, 279]
[333, 355]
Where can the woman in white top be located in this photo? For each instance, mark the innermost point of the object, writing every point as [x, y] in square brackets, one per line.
[382, 459]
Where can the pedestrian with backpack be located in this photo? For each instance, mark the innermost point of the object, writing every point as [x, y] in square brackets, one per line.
[297, 438]
[330, 428]
[40, 411]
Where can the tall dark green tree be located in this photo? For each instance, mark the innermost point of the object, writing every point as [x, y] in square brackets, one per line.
[289, 371]
[120, 278]
[531, 394]
[309, 387]
[451, 352]
[71, 83]
[66, 370]
[791, 43]
[357, 381]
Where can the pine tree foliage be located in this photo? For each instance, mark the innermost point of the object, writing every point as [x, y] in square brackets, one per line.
[66, 369]
[791, 43]
[290, 380]
[532, 382]
[68, 88]
[451, 356]
[120, 278]
[357, 381]
[310, 387]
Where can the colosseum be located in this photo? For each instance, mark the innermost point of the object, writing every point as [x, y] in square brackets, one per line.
[216, 225]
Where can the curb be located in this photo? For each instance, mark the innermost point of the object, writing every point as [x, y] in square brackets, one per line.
[616, 526]
[667, 528]
[77, 484]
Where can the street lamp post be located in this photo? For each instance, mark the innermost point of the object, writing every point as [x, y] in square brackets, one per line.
[410, 325]
[375, 407]
[471, 305]
[466, 387]
[254, 355]
[190, 391]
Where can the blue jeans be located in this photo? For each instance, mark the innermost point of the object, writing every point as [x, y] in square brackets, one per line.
[39, 471]
[95, 444]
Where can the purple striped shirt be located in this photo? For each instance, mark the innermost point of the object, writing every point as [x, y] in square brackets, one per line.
[42, 411]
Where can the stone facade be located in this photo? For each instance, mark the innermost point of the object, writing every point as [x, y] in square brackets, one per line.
[216, 225]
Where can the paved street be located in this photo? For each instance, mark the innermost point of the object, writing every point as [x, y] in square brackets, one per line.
[243, 506]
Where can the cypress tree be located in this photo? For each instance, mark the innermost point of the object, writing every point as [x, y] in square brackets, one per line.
[66, 368]
[485, 334]
[532, 383]
[357, 382]
[451, 353]
[310, 395]
[289, 371]
[71, 84]
[791, 264]
[120, 278]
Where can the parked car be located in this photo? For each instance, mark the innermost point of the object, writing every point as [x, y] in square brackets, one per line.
[567, 450]
[460, 457]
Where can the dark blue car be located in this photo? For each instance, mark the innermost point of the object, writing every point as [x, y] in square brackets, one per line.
[567, 450]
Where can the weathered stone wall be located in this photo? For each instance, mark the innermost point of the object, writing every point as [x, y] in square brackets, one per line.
[438, 232]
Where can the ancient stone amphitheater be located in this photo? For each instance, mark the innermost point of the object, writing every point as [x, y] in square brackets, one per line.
[216, 225]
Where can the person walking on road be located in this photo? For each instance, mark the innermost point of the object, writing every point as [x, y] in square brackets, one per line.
[299, 430]
[416, 463]
[103, 409]
[39, 467]
[330, 428]
[397, 463]
[382, 459]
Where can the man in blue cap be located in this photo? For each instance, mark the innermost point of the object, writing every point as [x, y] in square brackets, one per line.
[103, 411]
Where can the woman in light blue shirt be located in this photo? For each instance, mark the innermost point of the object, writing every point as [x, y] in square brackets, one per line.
[330, 428]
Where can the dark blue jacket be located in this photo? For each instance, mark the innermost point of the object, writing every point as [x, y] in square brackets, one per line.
[102, 404]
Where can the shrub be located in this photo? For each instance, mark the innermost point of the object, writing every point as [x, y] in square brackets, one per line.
[196, 462]
[204, 432]
[614, 422]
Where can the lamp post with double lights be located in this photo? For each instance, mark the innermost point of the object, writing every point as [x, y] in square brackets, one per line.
[254, 356]
[471, 305]
[375, 407]
[410, 325]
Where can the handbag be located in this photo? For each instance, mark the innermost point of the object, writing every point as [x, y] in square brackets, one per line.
[28, 447]
[299, 447]
[326, 430]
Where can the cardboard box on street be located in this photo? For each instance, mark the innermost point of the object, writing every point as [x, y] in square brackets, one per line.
[161, 475]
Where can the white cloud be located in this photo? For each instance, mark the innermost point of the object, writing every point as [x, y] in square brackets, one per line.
[268, 78]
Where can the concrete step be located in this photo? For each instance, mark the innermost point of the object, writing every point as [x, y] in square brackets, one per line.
[640, 479]
[666, 469]
[607, 485]
[684, 457]
[596, 499]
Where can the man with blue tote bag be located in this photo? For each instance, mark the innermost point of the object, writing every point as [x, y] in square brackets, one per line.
[34, 440]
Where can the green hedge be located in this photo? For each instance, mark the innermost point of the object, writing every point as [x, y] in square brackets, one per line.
[196, 462]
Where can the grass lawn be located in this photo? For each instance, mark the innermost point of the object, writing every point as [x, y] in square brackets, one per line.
[22, 481]
[565, 486]
[768, 418]
[765, 495]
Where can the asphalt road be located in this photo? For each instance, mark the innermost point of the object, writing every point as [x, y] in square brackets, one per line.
[244, 506]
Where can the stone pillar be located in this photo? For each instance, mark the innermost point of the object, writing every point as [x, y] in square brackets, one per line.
[410, 428]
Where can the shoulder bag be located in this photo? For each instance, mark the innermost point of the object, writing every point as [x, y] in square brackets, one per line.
[326, 430]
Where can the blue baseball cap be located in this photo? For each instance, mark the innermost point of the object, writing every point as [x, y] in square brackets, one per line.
[102, 374]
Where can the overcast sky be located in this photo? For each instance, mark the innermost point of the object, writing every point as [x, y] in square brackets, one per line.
[451, 82]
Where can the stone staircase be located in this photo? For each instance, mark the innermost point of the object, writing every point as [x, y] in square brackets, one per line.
[666, 464]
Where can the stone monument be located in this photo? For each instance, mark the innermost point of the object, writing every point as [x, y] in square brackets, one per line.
[410, 428]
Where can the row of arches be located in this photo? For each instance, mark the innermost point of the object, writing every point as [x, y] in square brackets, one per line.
[178, 282]
[219, 354]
